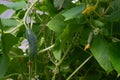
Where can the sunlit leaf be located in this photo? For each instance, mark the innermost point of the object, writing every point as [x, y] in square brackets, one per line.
[16, 5]
[57, 24]
[10, 22]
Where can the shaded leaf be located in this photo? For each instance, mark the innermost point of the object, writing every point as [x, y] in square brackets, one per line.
[115, 55]
[93, 74]
[69, 32]
[66, 36]
[116, 28]
[100, 51]
[8, 40]
[73, 12]
[4, 60]
[77, 55]
[50, 7]
[115, 4]
[85, 30]
[68, 4]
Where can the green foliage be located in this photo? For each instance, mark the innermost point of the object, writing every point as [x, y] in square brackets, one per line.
[68, 40]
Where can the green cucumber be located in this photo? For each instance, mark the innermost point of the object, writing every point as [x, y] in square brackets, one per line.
[90, 37]
[98, 23]
[32, 40]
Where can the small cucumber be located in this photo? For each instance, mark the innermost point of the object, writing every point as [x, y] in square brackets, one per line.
[90, 37]
[98, 23]
[32, 40]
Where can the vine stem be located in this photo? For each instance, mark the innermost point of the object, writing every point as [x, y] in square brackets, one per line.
[43, 50]
[24, 22]
[58, 64]
[64, 55]
[79, 67]
[10, 75]
[98, 15]
[61, 60]
[27, 12]
[24, 19]
[29, 69]
[16, 28]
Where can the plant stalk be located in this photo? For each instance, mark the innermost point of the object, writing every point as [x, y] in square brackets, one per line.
[27, 12]
[79, 67]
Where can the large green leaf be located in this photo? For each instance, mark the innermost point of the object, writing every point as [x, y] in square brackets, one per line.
[115, 55]
[4, 60]
[16, 5]
[114, 16]
[8, 40]
[50, 6]
[100, 51]
[57, 24]
[73, 12]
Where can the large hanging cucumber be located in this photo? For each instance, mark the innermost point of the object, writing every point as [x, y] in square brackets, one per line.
[32, 40]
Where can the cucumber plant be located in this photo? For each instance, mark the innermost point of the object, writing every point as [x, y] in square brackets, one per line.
[67, 39]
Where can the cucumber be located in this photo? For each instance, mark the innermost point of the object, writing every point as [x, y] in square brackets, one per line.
[32, 41]
[98, 23]
[90, 37]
